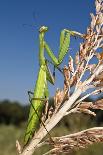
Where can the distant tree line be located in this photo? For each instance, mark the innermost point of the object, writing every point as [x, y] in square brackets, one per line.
[16, 113]
[13, 112]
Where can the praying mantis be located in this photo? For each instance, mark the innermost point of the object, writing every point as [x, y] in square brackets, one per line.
[44, 75]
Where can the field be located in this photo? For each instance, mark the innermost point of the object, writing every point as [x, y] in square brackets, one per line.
[9, 134]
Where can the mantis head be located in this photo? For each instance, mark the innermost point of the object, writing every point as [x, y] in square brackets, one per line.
[43, 29]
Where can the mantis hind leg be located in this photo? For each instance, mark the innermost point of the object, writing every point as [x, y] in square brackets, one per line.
[43, 119]
[45, 101]
[32, 98]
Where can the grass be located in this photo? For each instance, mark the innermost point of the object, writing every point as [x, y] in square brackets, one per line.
[9, 135]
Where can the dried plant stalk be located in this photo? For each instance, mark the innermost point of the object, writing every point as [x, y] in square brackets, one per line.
[76, 141]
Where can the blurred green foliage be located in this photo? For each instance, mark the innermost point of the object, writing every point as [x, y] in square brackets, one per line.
[13, 113]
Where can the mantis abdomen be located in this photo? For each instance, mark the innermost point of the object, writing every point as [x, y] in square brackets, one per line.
[37, 105]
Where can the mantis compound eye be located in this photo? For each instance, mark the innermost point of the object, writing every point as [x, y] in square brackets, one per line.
[43, 29]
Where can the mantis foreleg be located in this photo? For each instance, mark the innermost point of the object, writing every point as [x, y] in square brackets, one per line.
[63, 49]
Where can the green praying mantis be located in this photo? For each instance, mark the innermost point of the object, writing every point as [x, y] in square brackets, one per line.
[44, 75]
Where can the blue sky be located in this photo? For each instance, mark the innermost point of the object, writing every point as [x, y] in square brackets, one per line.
[19, 44]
